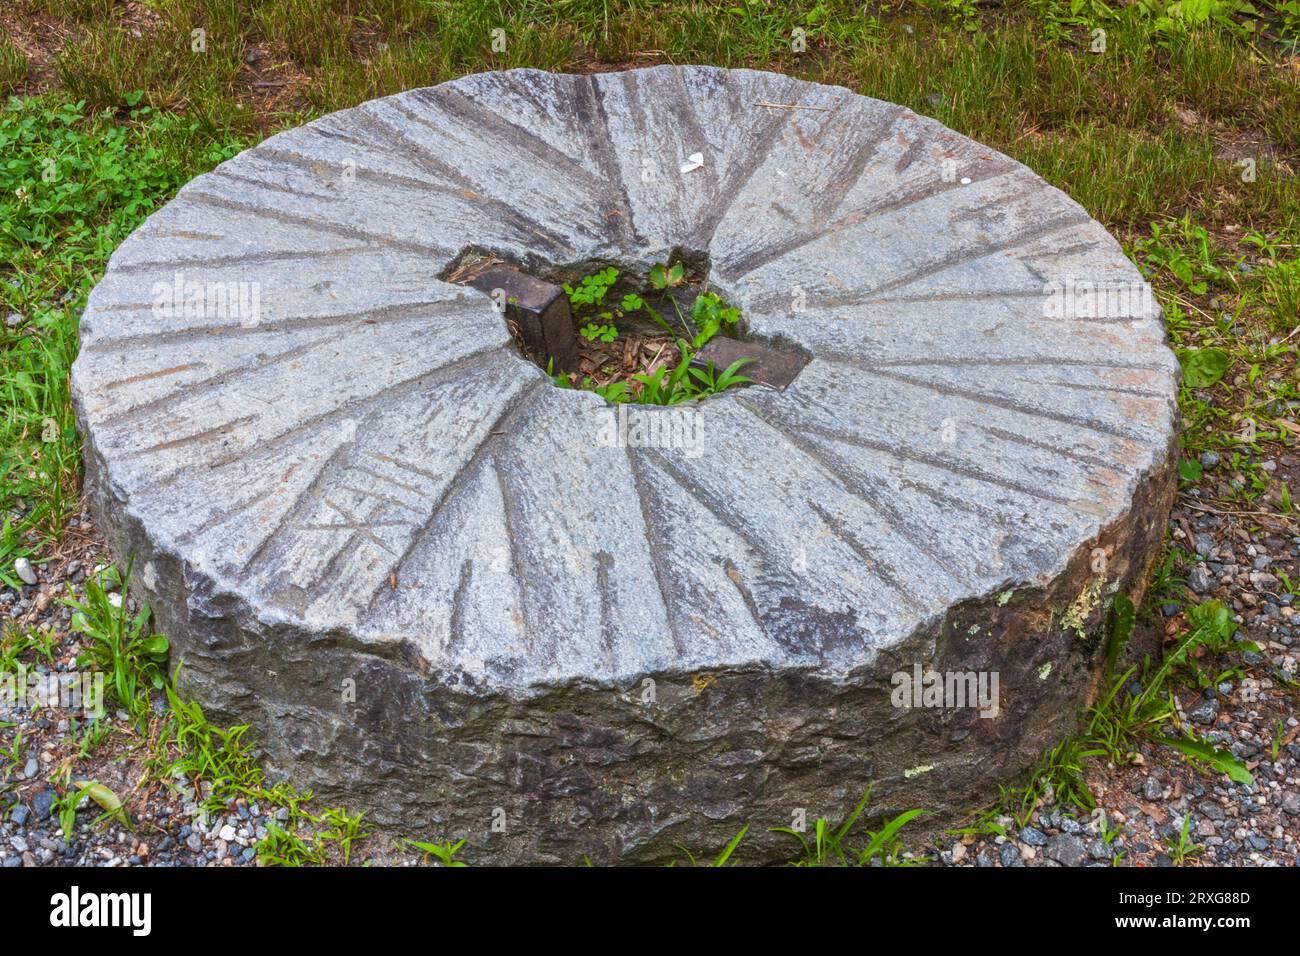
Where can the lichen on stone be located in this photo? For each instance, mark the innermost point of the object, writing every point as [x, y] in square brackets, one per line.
[1077, 614]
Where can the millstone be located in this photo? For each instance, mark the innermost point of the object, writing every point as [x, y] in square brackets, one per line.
[475, 605]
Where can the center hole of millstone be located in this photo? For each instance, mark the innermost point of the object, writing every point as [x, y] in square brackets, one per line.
[654, 336]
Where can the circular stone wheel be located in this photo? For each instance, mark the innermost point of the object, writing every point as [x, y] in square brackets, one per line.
[379, 534]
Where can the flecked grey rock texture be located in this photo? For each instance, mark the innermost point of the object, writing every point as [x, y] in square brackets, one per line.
[383, 538]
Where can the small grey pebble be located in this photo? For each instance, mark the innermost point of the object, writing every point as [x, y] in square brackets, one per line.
[1151, 789]
[20, 815]
[1067, 849]
[42, 804]
[23, 568]
[1209, 459]
[1010, 855]
[1199, 579]
[1033, 836]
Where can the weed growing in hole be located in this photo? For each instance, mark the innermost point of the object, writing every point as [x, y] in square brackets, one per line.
[591, 289]
[662, 387]
[605, 333]
[664, 276]
[659, 384]
[710, 314]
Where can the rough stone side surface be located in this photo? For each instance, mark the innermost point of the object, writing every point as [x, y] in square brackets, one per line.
[364, 486]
